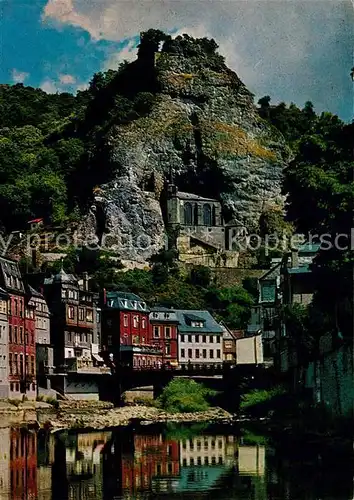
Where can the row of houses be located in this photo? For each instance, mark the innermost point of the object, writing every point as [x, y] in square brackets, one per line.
[57, 336]
[329, 377]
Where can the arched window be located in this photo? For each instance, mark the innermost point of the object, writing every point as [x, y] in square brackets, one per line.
[213, 216]
[207, 215]
[188, 214]
[196, 214]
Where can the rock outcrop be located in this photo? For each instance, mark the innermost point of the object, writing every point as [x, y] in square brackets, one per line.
[204, 130]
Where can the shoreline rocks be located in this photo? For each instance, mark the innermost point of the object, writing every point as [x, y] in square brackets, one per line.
[121, 417]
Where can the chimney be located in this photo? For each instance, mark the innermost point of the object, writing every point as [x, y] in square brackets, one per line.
[85, 281]
[294, 258]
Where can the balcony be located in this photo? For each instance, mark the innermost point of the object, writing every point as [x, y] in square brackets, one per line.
[83, 366]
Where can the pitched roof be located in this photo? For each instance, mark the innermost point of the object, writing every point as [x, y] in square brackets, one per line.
[34, 220]
[272, 273]
[305, 269]
[61, 277]
[209, 323]
[191, 196]
[125, 301]
[34, 293]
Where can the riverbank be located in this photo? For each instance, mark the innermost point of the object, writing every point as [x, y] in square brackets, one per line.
[97, 415]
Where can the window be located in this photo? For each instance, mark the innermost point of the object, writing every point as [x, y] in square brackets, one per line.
[10, 364]
[63, 293]
[218, 340]
[190, 353]
[228, 344]
[182, 353]
[81, 314]
[16, 364]
[135, 321]
[71, 312]
[167, 332]
[168, 349]
[211, 353]
[143, 323]
[190, 339]
[182, 338]
[16, 338]
[218, 353]
[156, 332]
[32, 365]
[204, 353]
[197, 324]
[89, 315]
[21, 334]
[197, 338]
[26, 337]
[207, 215]
[188, 218]
[211, 339]
[197, 353]
[10, 333]
[125, 320]
[204, 339]
[135, 339]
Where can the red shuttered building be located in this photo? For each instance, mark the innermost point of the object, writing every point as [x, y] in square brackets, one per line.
[126, 335]
[22, 347]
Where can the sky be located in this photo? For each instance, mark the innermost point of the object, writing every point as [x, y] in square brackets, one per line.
[291, 50]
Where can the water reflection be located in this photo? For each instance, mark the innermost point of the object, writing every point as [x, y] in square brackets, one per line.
[170, 462]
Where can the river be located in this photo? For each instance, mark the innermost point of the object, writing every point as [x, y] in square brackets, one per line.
[169, 462]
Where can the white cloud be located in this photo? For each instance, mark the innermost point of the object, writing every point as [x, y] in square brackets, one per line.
[19, 76]
[277, 47]
[50, 86]
[128, 53]
[67, 79]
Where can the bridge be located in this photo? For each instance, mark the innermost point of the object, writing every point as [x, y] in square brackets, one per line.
[227, 379]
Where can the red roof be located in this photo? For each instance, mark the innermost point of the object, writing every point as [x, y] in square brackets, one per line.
[34, 220]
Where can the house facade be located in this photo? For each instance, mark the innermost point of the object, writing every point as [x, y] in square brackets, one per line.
[78, 365]
[4, 346]
[229, 347]
[44, 349]
[200, 340]
[163, 327]
[126, 333]
[21, 333]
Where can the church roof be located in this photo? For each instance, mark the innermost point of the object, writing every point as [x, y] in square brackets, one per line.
[192, 197]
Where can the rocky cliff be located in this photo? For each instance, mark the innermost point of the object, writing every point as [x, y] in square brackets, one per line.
[203, 128]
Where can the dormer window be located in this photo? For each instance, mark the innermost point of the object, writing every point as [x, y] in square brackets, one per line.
[155, 315]
[125, 303]
[197, 324]
[167, 315]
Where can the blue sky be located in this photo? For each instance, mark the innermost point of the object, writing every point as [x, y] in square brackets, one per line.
[292, 50]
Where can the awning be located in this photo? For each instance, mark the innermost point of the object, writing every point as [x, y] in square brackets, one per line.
[98, 358]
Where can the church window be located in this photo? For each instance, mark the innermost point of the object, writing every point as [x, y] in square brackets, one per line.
[188, 214]
[207, 215]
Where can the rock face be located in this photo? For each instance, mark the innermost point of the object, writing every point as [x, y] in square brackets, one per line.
[205, 131]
